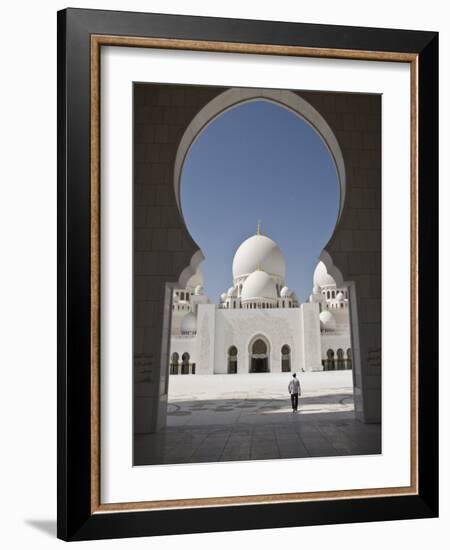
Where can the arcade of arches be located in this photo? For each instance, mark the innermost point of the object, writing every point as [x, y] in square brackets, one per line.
[259, 360]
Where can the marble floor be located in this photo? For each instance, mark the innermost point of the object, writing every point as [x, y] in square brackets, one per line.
[248, 417]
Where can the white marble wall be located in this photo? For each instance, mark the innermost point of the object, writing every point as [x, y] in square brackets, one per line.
[335, 341]
[206, 330]
[240, 328]
[218, 330]
[184, 344]
[311, 337]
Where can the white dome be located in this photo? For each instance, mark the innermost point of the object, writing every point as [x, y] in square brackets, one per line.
[316, 289]
[259, 285]
[327, 321]
[232, 291]
[322, 277]
[188, 324]
[339, 297]
[198, 290]
[285, 292]
[258, 252]
[223, 296]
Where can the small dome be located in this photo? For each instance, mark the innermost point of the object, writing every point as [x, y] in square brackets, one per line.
[223, 296]
[188, 324]
[258, 252]
[232, 291]
[339, 297]
[285, 292]
[327, 321]
[176, 298]
[259, 285]
[322, 277]
[316, 289]
[198, 290]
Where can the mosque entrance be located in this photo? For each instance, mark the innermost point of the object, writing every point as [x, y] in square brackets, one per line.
[259, 360]
[259, 364]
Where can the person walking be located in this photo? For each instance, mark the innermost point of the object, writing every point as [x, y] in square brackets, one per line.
[295, 391]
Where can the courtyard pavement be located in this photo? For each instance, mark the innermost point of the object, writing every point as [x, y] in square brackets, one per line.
[220, 418]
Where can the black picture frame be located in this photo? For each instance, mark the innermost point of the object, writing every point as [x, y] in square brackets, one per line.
[75, 478]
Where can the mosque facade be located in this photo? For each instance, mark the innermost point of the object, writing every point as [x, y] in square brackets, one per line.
[259, 324]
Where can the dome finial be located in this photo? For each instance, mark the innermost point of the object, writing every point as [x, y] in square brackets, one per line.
[258, 228]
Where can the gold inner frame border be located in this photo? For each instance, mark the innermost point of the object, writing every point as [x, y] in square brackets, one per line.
[97, 41]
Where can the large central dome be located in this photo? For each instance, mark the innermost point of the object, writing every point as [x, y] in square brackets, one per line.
[258, 252]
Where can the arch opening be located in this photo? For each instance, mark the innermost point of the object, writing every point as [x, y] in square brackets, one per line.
[231, 99]
[330, 363]
[232, 198]
[259, 355]
[238, 96]
[232, 360]
[174, 359]
[185, 358]
[285, 358]
[349, 359]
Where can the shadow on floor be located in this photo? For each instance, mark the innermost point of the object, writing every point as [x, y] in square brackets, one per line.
[185, 407]
[46, 526]
[256, 429]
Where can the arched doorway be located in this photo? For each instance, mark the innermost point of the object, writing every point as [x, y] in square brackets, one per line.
[259, 356]
[284, 98]
[349, 358]
[340, 359]
[174, 363]
[232, 360]
[185, 363]
[285, 358]
[330, 360]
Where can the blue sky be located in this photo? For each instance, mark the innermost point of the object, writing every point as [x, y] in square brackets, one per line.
[259, 161]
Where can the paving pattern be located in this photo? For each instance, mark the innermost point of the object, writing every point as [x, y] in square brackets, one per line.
[249, 417]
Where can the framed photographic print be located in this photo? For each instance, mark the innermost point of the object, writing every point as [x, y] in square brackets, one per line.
[247, 274]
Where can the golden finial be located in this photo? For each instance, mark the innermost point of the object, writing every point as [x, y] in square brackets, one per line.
[258, 228]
